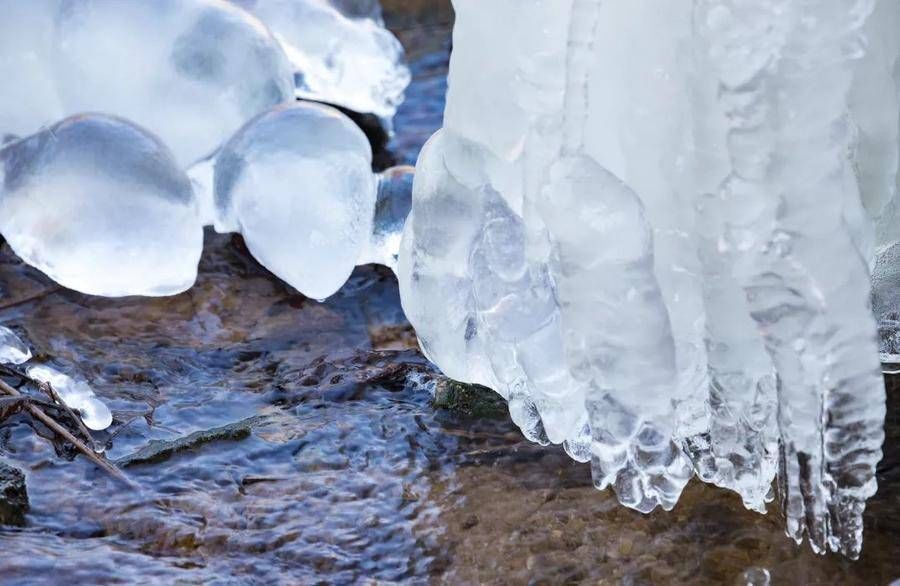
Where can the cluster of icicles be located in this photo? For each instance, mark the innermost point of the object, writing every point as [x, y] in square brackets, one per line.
[651, 227]
[645, 224]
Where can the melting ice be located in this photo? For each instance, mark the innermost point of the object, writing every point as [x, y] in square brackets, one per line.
[76, 394]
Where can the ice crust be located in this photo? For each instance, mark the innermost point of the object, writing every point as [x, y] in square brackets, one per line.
[340, 51]
[100, 206]
[12, 349]
[76, 394]
[646, 225]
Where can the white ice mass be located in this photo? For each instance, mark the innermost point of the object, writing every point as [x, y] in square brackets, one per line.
[76, 394]
[12, 349]
[340, 51]
[28, 98]
[191, 71]
[297, 183]
[100, 206]
[646, 224]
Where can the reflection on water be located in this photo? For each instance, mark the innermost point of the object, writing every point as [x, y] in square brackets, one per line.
[345, 471]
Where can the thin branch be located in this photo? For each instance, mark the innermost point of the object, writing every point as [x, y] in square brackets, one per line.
[101, 462]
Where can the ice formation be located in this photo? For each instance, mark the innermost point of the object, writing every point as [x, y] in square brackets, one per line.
[297, 183]
[100, 206]
[392, 205]
[341, 52]
[649, 225]
[76, 394]
[646, 225]
[28, 98]
[191, 71]
[875, 104]
[12, 349]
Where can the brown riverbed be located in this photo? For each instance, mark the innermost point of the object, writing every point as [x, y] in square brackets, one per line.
[336, 466]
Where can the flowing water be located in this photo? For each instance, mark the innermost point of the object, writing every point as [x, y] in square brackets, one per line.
[326, 460]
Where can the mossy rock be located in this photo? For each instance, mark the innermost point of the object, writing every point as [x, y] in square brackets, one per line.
[467, 400]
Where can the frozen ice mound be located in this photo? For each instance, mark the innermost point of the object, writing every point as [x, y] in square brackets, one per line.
[646, 225]
[12, 349]
[100, 206]
[340, 51]
[28, 98]
[191, 71]
[297, 183]
[76, 394]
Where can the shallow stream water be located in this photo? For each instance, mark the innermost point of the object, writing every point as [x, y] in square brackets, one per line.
[335, 466]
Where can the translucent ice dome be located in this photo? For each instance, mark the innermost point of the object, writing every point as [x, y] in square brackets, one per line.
[101, 206]
[297, 183]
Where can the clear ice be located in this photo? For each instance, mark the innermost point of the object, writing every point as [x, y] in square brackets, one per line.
[76, 394]
[197, 74]
[392, 205]
[28, 98]
[647, 225]
[12, 349]
[297, 183]
[100, 206]
[340, 51]
[190, 71]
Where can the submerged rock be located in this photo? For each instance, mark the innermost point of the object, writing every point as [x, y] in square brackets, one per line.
[161, 450]
[13, 496]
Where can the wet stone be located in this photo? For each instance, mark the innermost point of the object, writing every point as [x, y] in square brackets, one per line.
[13, 496]
[158, 451]
[474, 401]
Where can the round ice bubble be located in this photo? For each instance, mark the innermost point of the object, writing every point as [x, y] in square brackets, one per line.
[100, 206]
[297, 183]
[76, 394]
[191, 71]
